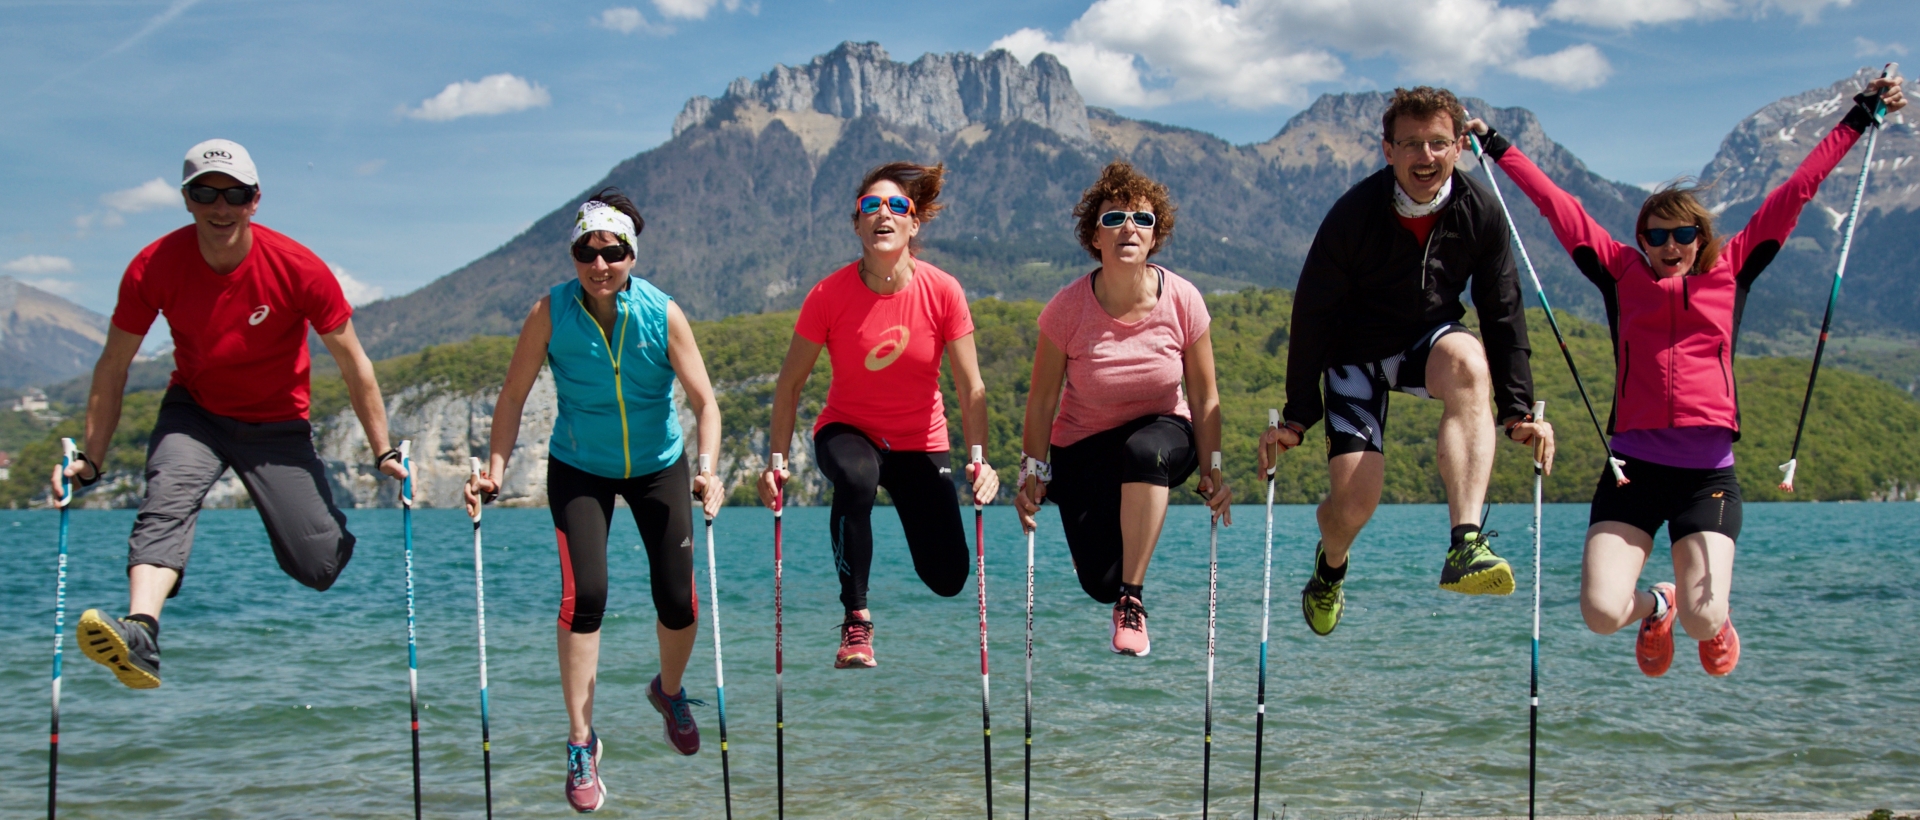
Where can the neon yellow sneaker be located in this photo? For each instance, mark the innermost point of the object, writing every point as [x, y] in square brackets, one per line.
[1473, 569]
[1322, 602]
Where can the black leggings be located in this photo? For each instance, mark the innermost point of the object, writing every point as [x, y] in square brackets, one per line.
[921, 485]
[582, 505]
[1087, 475]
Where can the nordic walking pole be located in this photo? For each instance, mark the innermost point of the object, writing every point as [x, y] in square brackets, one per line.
[719, 668]
[1213, 580]
[413, 656]
[1026, 805]
[779, 682]
[980, 583]
[480, 613]
[67, 451]
[1533, 686]
[1613, 461]
[1266, 617]
[1826, 322]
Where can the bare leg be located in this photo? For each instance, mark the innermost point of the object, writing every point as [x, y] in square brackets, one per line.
[1610, 576]
[1143, 510]
[1703, 572]
[147, 588]
[1354, 495]
[676, 646]
[579, 668]
[1457, 375]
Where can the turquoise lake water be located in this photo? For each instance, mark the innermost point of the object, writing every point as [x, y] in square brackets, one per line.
[284, 703]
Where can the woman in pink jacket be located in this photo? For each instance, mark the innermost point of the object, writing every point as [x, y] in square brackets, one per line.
[1674, 302]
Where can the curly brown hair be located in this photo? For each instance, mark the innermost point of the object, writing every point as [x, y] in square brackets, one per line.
[1421, 102]
[1678, 203]
[1123, 185]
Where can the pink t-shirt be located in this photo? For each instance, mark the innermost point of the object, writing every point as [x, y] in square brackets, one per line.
[1119, 371]
[886, 353]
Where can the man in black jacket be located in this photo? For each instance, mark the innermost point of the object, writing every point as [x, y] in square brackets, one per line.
[1378, 309]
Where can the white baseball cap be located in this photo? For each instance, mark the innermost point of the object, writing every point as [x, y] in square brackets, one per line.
[219, 157]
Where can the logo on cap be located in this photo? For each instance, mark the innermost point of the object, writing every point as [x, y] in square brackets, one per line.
[216, 153]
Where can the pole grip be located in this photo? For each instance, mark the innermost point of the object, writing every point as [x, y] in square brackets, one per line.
[473, 465]
[1216, 459]
[406, 463]
[406, 449]
[706, 462]
[67, 452]
[779, 461]
[1539, 415]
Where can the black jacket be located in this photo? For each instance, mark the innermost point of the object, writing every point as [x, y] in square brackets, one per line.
[1368, 290]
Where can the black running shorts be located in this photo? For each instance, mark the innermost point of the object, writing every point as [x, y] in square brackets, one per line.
[582, 506]
[1686, 500]
[1087, 475]
[1357, 393]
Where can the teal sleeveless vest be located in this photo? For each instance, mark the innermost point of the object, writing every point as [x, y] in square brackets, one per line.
[617, 417]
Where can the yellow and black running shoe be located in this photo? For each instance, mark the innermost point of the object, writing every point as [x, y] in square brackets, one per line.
[124, 646]
[1322, 601]
[1473, 569]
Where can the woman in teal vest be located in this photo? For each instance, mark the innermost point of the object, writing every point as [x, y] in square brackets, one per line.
[616, 345]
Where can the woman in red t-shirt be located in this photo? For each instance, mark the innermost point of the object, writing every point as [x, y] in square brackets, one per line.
[1106, 406]
[884, 321]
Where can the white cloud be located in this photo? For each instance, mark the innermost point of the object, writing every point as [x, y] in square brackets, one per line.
[1863, 47]
[692, 9]
[40, 265]
[627, 20]
[357, 292]
[495, 94]
[57, 287]
[1628, 13]
[1257, 53]
[1574, 68]
[147, 196]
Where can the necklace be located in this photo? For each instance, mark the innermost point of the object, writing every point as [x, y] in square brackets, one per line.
[863, 270]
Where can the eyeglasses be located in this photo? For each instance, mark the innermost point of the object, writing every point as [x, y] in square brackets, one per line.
[1432, 146]
[1657, 237]
[870, 204]
[615, 252]
[1114, 219]
[237, 195]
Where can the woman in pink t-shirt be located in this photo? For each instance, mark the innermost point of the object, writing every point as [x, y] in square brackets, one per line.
[884, 321]
[1114, 347]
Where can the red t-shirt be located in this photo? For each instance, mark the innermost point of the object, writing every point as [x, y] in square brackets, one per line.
[886, 353]
[239, 339]
[1422, 226]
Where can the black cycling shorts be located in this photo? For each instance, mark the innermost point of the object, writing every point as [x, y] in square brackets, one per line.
[1087, 475]
[1356, 394]
[1686, 500]
[582, 505]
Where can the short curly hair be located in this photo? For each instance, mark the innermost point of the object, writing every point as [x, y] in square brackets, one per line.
[1124, 185]
[1422, 102]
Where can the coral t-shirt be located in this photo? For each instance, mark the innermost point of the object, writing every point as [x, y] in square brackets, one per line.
[1119, 371]
[239, 339]
[886, 353]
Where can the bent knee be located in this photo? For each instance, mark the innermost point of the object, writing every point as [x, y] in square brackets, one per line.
[318, 565]
[1703, 623]
[1605, 617]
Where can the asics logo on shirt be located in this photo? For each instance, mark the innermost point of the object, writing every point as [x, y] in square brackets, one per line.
[888, 350]
[258, 315]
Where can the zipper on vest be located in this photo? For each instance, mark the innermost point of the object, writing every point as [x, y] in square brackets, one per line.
[1426, 251]
[613, 355]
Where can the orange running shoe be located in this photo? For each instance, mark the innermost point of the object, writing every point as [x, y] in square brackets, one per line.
[1654, 648]
[1720, 655]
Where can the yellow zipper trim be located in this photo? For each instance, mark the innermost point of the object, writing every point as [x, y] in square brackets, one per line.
[613, 354]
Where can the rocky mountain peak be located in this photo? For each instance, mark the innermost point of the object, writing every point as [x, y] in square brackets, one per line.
[941, 92]
[1764, 149]
[44, 338]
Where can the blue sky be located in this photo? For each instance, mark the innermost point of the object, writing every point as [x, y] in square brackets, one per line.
[373, 154]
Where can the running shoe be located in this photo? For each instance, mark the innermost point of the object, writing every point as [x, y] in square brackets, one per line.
[124, 646]
[1721, 654]
[682, 735]
[1473, 569]
[1654, 648]
[585, 791]
[1321, 601]
[1129, 628]
[856, 645]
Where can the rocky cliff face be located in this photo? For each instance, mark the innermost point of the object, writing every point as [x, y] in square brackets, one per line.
[944, 93]
[1764, 148]
[44, 338]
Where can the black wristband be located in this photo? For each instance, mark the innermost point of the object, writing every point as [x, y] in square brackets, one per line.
[1861, 117]
[1495, 145]
[81, 458]
[390, 455]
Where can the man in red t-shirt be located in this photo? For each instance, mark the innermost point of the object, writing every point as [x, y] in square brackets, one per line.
[238, 298]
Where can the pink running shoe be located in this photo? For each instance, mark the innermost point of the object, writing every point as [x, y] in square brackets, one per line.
[856, 645]
[1129, 628]
[585, 792]
[1720, 655]
[682, 734]
[1654, 649]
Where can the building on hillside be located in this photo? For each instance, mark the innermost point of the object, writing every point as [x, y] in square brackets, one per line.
[34, 400]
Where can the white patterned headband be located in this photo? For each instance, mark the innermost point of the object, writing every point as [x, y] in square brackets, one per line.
[595, 215]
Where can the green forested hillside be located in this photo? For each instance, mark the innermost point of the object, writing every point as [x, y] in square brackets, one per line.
[1858, 443]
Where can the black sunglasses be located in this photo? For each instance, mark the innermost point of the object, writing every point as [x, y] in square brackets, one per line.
[1657, 237]
[237, 195]
[615, 252]
[1114, 219]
